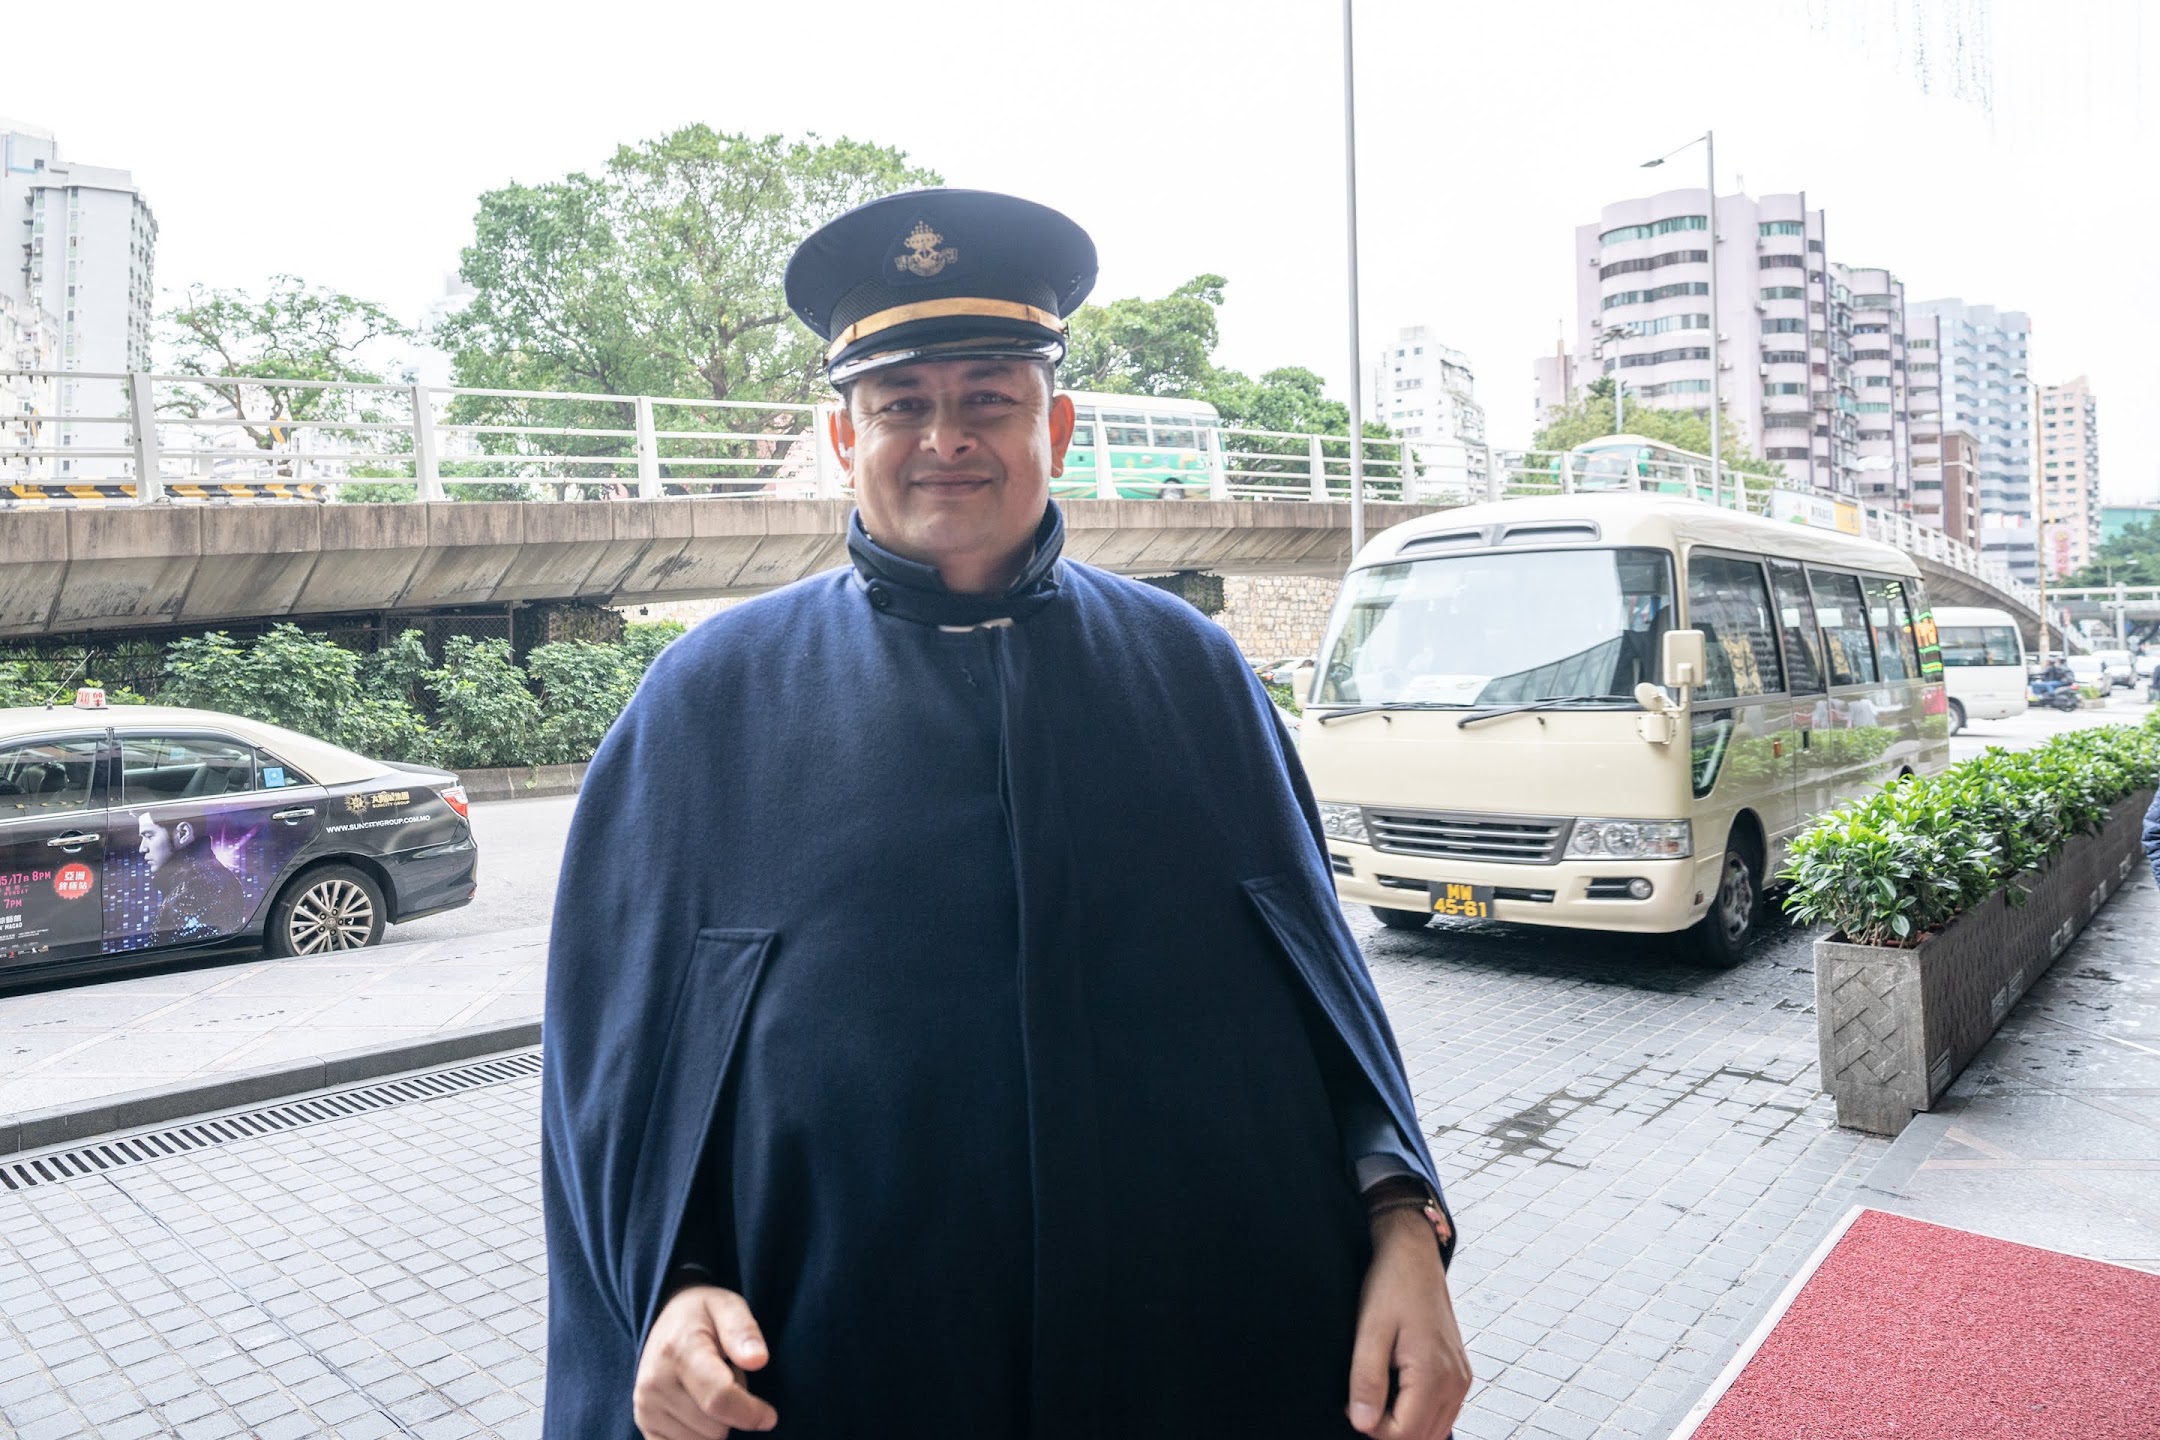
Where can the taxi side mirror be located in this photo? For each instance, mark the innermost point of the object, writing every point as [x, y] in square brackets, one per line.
[1680, 661]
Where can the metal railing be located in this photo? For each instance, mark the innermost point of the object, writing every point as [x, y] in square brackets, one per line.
[257, 438]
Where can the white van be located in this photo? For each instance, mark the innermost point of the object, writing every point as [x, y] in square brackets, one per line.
[1608, 712]
[1983, 663]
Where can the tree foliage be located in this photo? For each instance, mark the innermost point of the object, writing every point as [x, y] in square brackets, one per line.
[2131, 558]
[662, 274]
[292, 331]
[1145, 347]
[1589, 416]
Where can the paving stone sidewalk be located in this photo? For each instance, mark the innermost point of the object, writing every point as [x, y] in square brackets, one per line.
[72, 1046]
[1635, 1150]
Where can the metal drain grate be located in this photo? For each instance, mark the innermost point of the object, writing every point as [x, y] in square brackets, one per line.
[174, 1140]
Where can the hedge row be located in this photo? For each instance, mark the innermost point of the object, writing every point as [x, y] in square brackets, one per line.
[479, 707]
[1894, 867]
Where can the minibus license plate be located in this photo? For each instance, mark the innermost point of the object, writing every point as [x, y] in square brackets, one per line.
[1463, 902]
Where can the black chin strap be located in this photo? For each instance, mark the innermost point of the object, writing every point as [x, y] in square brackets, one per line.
[914, 591]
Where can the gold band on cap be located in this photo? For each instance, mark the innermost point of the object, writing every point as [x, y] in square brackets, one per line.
[872, 323]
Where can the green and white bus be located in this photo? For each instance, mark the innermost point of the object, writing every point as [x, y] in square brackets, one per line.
[1138, 447]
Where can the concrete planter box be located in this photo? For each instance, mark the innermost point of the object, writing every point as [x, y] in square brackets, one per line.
[1897, 1026]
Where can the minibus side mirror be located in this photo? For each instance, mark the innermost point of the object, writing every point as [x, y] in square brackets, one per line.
[1680, 662]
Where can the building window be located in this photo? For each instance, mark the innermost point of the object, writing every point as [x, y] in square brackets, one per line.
[1655, 228]
[1668, 322]
[1784, 292]
[1874, 407]
[1654, 262]
[1784, 357]
[1662, 292]
[1792, 326]
[1665, 357]
[1782, 227]
[1781, 262]
[1785, 387]
[1675, 387]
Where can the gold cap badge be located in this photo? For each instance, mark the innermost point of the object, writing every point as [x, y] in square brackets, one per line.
[924, 257]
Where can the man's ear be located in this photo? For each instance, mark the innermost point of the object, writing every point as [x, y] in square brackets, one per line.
[183, 834]
[1061, 431]
[841, 427]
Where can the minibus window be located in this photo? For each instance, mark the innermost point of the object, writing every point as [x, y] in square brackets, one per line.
[1796, 617]
[1727, 602]
[1500, 627]
[1843, 614]
[1892, 624]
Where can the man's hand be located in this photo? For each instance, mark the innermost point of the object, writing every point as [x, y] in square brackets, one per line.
[690, 1378]
[1406, 1323]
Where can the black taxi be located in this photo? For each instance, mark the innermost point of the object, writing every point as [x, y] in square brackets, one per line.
[127, 829]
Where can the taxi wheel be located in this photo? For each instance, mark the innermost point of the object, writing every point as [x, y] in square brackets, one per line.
[336, 907]
[1720, 939]
[1402, 919]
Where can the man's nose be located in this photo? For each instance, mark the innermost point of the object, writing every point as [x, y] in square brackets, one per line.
[949, 433]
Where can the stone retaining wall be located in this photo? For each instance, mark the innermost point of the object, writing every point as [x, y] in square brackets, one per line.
[1273, 617]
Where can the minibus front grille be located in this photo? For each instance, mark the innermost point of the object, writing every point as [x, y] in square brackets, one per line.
[1509, 839]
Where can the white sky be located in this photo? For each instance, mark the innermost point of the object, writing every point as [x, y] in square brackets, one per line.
[347, 144]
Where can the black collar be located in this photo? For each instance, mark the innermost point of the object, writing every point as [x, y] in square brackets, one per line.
[914, 591]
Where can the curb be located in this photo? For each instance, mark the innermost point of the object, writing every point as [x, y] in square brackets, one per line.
[522, 782]
[38, 1129]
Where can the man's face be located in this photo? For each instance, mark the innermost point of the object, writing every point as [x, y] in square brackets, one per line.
[952, 461]
[157, 842]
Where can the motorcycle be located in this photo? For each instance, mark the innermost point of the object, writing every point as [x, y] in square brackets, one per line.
[2056, 695]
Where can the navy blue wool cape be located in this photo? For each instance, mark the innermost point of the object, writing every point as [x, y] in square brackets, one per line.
[997, 977]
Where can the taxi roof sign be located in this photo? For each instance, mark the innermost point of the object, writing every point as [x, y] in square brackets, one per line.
[89, 697]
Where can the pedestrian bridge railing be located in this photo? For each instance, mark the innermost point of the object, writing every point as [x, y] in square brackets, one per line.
[73, 438]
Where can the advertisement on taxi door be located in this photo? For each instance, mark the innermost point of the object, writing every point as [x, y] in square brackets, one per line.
[178, 873]
[44, 906]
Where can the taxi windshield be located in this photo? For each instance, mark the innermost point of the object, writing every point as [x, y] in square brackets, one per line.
[1500, 627]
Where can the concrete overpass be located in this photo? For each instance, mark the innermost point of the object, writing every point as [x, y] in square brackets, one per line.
[143, 567]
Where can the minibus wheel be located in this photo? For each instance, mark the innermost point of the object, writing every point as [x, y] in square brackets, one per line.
[1402, 919]
[1957, 718]
[1721, 937]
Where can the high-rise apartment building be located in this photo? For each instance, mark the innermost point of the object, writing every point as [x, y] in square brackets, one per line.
[1983, 355]
[88, 242]
[1423, 390]
[1786, 386]
[1867, 338]
[2070, 474]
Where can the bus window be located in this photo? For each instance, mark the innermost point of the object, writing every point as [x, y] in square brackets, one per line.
[1083, 425]
[1727, 602]
[1796, 616]
[1125, 428]
[1892, 624]
[1172, 431]
[1843, 614]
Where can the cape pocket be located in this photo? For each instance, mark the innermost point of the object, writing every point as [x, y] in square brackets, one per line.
[719, 985]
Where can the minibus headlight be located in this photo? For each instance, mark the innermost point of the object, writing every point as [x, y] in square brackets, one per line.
[1631, 840]
[1343, 822]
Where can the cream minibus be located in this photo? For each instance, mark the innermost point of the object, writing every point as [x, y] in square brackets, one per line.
[1608, 712]
[1983, 664]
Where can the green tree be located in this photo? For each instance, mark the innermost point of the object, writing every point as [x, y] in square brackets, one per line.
[1145, 347]
[2131, 558]
[661, 275]
[292, 331]
[301, 681]
[1590, 415]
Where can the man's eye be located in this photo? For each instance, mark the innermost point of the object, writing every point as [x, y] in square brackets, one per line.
[992, 397]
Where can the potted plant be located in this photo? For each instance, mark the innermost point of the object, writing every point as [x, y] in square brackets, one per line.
[1947, 896]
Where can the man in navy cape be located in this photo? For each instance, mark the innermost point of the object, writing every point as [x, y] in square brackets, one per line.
[951, 1029]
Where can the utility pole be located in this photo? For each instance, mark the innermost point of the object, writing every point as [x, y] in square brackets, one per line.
[1357, 347]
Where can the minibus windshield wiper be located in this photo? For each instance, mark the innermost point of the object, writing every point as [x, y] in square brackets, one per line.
[1549, 702]
[1333, 715]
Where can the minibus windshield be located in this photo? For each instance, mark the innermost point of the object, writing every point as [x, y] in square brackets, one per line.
[1500, 627]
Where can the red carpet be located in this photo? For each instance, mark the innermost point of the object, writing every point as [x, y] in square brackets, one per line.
[1924, 1333]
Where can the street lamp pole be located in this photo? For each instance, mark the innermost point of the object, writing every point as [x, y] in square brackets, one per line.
[2040, 509]
[1357, 347]
[1717, 378]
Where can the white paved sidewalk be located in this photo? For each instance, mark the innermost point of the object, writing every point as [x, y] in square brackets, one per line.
[77, 1045]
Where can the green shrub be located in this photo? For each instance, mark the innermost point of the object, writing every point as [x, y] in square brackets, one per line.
[583, 687]
[1896, 865]
[484, 715]
[286, 677]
